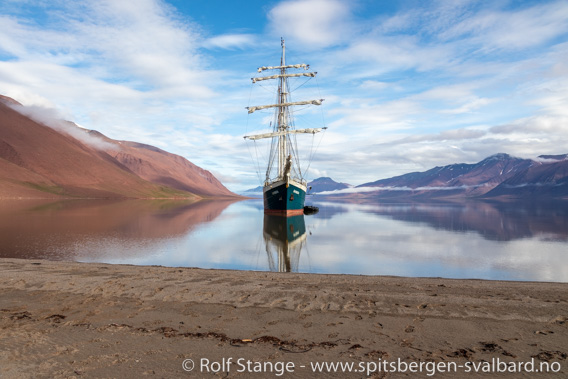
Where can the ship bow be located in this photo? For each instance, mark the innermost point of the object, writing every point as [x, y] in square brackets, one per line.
[284, 198]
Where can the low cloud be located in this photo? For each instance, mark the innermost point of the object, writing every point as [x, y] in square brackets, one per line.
[534, 125]
[388, 188]
[534, 185]
[52, 118]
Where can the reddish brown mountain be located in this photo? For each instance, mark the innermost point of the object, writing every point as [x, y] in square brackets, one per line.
[64, 160]
[158, 166]
[544, 179]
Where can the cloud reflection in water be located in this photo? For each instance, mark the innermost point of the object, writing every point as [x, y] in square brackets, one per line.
[471, 240]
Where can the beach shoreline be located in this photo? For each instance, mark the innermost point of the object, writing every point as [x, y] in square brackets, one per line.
[69, 319]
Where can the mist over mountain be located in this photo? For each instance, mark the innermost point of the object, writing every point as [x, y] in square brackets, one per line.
[43, 156]
[499, 176]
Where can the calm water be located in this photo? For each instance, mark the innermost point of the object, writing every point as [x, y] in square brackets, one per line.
[473, 240]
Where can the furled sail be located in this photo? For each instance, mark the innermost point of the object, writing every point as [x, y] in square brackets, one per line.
[284, 132]
[301, 65]
[307, 102]
[308, 74]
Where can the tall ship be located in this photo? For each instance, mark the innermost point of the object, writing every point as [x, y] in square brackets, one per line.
[284, 189]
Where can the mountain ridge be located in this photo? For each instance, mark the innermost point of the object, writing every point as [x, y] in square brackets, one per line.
[64, 160]
[499, 176]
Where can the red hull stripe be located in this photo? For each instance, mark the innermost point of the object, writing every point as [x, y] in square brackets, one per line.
[288, 212]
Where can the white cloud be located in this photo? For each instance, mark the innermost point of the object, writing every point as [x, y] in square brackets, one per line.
[396, 53]
[469, 106]
[513, 30]
[395, 189]
[141, 45]
[319, 23]
[373, 85]
[446, 135]
[361, 118]
[144, 41]
[231, 41]
[552, 126]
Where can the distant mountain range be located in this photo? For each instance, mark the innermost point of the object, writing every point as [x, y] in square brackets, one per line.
[41, 157]
[499, 176]
[322, 184]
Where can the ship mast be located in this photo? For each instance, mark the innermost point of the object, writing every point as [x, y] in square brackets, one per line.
[283, 113]
[282, 128]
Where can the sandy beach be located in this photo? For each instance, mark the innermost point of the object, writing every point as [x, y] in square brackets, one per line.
[84, 320]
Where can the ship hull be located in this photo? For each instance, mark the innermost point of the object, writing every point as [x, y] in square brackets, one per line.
[284, 198]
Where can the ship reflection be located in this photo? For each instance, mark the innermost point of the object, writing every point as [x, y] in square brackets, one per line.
[284, 238]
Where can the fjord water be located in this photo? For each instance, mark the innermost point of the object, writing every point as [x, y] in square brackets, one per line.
[527, 242]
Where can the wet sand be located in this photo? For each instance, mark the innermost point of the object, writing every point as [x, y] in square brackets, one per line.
[84, 320]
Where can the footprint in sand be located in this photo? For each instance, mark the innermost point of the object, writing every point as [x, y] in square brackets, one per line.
[55, 318]
[547, 356]
[25, 315]
[560, 320]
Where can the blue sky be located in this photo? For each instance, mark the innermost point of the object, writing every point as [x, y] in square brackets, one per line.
[409, 85]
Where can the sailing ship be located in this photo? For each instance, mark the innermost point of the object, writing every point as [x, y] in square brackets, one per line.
[284, 189]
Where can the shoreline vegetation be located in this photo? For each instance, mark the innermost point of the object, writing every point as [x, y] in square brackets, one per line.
[68, 319]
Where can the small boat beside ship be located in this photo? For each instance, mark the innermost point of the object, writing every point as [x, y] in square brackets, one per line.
[284, 188]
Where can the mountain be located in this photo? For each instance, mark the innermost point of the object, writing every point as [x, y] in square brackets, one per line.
[64, 160]
[324, 184]
[546, 179]
[498, 176]
[158, 166]
[253, 192]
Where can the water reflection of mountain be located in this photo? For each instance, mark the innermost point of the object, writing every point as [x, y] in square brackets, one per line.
[284, 238]
[329, 211]
[60, 230]
[494, 221]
